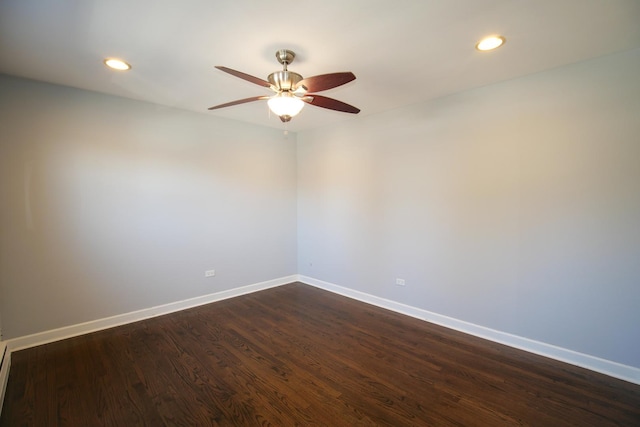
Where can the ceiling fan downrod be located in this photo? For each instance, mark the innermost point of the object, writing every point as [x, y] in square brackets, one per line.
[284, 81]
[285, 57]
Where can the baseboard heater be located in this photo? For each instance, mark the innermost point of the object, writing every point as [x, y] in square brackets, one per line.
[4, 371]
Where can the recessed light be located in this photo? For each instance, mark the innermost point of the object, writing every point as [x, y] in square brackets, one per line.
[117, 64]
[490, 43]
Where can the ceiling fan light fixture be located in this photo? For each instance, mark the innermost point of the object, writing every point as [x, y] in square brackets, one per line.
[291, 89]
[285, 104]
[490, 43]
[116, 64]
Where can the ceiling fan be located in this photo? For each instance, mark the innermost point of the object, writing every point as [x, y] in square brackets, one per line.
[292, 91]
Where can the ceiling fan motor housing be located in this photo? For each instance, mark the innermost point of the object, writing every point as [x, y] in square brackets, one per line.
[284, 80]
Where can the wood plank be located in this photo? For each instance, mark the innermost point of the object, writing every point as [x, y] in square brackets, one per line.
[297, 355]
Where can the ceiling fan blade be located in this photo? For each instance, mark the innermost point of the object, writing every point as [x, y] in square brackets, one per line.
[244, 76]
[326, 81]
[239, 101]
[330, 103]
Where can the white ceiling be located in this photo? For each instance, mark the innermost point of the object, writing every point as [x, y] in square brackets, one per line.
[402, 51]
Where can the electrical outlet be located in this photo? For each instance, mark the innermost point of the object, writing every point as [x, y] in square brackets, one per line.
[209, 273]
[400, 282]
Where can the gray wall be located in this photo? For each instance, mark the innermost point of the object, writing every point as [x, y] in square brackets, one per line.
[110, 205]
[515, 206]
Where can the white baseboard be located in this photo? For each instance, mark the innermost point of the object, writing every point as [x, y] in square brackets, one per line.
[45, 337]
[607, 367]
[5, 356]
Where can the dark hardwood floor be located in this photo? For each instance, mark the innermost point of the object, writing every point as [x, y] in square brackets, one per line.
[297, 355]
